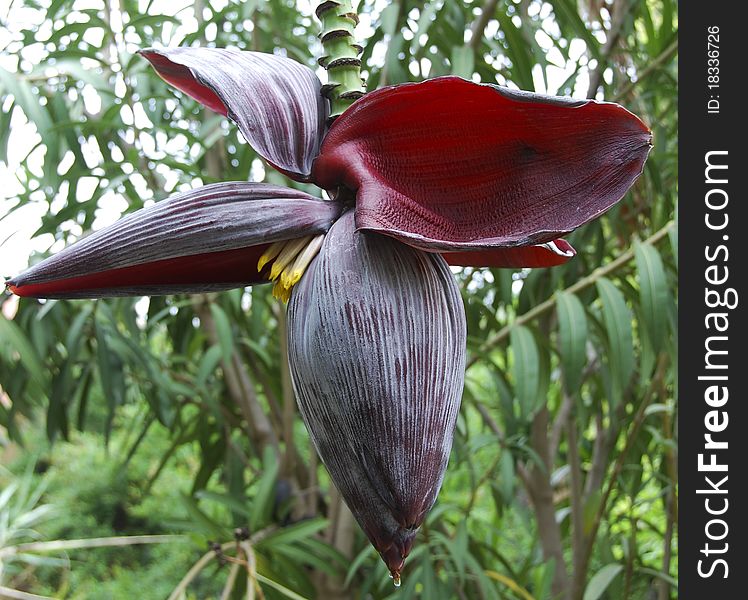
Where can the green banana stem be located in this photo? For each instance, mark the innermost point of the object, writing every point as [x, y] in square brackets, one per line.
[344, 85]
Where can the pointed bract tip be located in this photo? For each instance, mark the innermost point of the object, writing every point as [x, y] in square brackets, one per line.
[396, 550]
[394, 560]
[9, 287]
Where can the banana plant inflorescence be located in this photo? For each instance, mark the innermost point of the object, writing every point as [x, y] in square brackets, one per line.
[419, 176]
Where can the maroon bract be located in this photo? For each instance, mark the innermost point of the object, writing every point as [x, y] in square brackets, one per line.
[207, 239]
[377, 354]
[479, 174]
[447, 164]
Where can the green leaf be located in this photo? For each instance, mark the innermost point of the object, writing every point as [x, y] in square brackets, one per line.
[601, 580]
[208, 364]
[25, 98]
[618, 322]
[324, 550]
[201, 521]
[15, 341]
[567, 14]
[673, 235]
[424, 22]
[62, 386]
[389, 18]
[82, 394]
[302, 556]
[428, 580]
[506, 475]
[572, 339]
[666, 28]
[463, 61]
[518, 52]
[73, 69]
[544, 578]
[293, 533]
[230, 502]
[5, 117]
[66, 127]
[590, 510]
[647, 360]
[39, 116]
[487, 589]
[393, 64]
[649, 27]
[110, 373]
[259, 350]
[151, 20]
[357, 562]
[223, 330]
[525, 369]
[654, 292]
[460, 548]
[262, 503]
[659, 575]
[414, 578]
[287, 593]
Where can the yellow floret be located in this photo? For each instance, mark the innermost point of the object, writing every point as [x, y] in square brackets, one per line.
[291, 258]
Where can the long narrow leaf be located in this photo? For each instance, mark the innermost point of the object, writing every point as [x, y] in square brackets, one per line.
[572, 333]
[654, 293]
[618, 323]
[525, 369]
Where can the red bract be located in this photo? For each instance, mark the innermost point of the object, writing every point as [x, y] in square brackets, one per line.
[451, 165]
[479, 174]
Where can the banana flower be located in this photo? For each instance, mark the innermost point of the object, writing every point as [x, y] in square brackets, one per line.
[419, 176]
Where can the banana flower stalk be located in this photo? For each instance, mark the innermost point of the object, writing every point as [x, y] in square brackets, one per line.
[419, 176]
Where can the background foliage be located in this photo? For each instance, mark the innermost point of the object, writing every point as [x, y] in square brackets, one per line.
[175, 415]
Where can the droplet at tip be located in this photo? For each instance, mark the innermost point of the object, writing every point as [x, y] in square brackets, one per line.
[395, 576]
